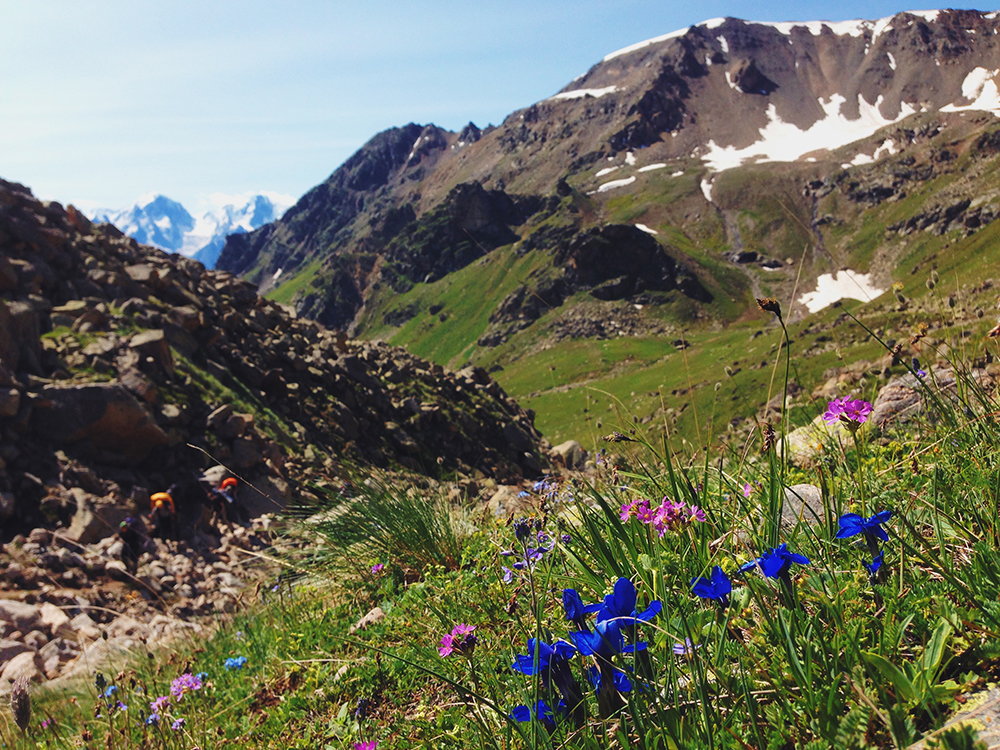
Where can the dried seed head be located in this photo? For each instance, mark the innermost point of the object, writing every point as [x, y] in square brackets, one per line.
[20, 702]
[617, 437]
[770, 304]
[900, 298]
[767, 432]
[951, 301]
[979, 312]
[930, 283]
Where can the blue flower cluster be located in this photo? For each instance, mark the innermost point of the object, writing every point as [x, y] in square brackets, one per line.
[613, 633]
[851, 524]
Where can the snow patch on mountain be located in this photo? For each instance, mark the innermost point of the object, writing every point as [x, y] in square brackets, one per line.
[580, 93]
[782, 141]
[979, 86]
[843, 285]
[157, 220]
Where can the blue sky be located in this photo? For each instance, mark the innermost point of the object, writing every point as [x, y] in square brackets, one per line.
[101, 102]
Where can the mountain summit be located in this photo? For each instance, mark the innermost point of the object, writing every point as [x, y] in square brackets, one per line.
[721, 141]
[159, 221]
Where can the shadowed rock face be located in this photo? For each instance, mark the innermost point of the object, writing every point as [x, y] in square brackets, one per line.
[105, 415]
[618, 261]
[115, 359]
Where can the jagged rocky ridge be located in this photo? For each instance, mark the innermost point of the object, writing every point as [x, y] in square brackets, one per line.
[704, 99]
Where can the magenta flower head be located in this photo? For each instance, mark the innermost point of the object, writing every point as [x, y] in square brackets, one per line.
[370, 745]
[460, 640]
[186, 682]
[377, 568]
[853, 413]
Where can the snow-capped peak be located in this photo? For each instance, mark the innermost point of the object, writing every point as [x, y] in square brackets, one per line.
[154, 219]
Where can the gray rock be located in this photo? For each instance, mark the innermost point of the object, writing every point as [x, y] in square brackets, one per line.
[10, 402]
[24, 617]
[7, 503]
[571, 454]
[10, 648]
[370, 619]
[803, 502]
[106, 414]
[55, 654]
[95, 519]
[28, 664]
[154, 344]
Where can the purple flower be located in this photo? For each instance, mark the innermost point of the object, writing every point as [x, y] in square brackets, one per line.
[153, 720]
[46, 723]
[177, 725]
[159, 704]
[460, 640]
[747, 489]
[377, 568]
[687, 648]
[717, 588]
[184, 683]
[852, 412]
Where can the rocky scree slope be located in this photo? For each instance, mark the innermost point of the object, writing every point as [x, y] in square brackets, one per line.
[688, 105]
[124, 370]
[119, 355]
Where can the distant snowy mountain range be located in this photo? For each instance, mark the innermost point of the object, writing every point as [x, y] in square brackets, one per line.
[157, 220]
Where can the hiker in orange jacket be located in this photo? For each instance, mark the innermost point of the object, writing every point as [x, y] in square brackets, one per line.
[163, 516]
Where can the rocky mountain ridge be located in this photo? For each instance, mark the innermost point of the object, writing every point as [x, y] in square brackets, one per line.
[723, 95]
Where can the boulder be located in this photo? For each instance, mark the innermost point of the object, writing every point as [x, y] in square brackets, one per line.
[154, 344]
[105, 414]
[55, 620]
[6, 505]
[10, 402]
[55, 654]
[803, 502]
[85, 627]
[10, 648]
[95, 519]
[570, 454]
[28, 664]
[24, 617]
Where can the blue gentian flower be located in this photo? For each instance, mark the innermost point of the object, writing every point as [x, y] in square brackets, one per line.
[606, 641]
[875, 564]
[153, 720]
[235, 662]
[622, 683]
[718, 588]
[776, 562]
[852, 524]
[548, 656]
[542, 712]
[621, 605]
[553, 669]
[110, 691]
[576, 610]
